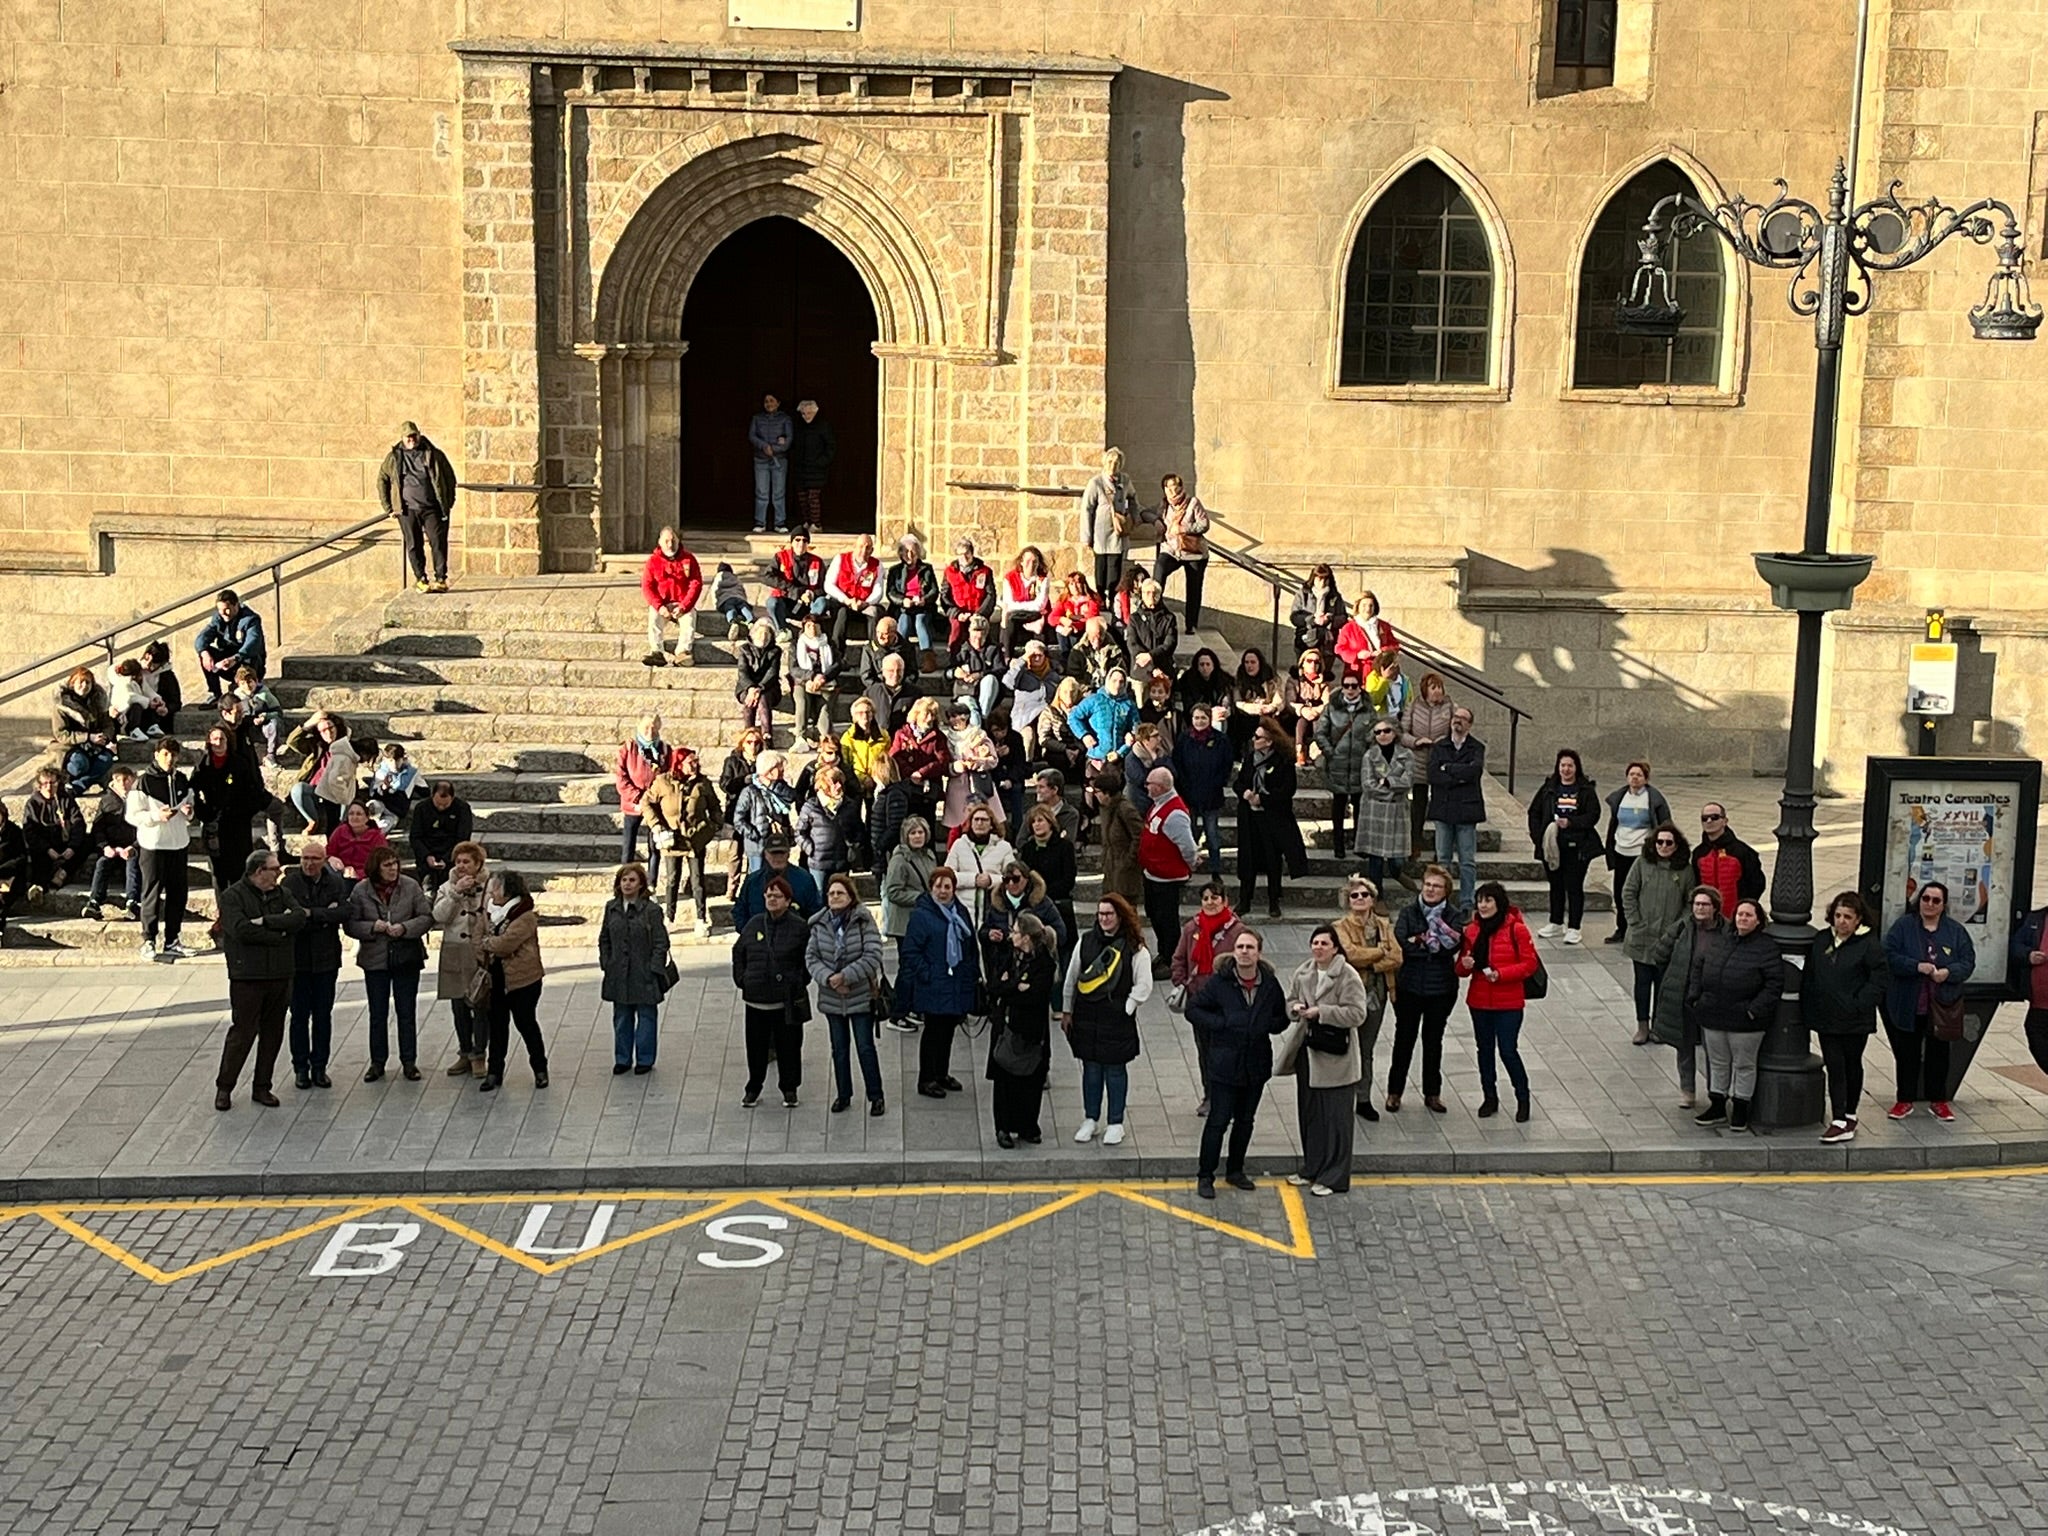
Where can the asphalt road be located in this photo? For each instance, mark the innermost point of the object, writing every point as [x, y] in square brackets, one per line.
[1558, 1359]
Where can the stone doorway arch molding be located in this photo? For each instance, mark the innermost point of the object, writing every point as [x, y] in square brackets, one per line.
[649, 245]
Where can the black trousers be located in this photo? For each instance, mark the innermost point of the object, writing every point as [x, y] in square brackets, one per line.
[1922, 1062]
[1234, 1106]
[312, 1020]
[233, 838]
[1426, 1017]
[2037, 1036]
[1196, 571]
[771, 1029]
[472, 1035]
[1842, 1056]
[1418, 821]
[166, 876]
[426, 533]
[1162, 913]
[520, 1008]
[256, 1011]
[1340, 805]
[935, 1048]
[1568, 892]
[1109, 570]
[1623, 863]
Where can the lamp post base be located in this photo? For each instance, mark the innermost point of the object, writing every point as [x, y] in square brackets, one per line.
[1788, 1097]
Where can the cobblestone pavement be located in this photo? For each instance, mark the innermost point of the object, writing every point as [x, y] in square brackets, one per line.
[1858, 1357]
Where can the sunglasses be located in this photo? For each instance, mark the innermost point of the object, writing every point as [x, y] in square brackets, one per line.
[1667, 842]
[1937, 900]
[1708, 821]
[1359, 895]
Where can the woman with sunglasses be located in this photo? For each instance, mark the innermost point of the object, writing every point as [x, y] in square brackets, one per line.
[1930, 956]
[1387, 775]
[1654, 898]
[1367, 936]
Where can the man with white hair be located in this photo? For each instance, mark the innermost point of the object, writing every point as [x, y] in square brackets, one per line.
[316, 955]
[1166, 858]
[811, 453]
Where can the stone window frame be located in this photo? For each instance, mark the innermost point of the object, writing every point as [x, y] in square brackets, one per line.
[1731, 391]
[1635, 26]
[1500, 351]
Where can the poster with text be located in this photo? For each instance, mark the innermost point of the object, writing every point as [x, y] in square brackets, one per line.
[1963, 835]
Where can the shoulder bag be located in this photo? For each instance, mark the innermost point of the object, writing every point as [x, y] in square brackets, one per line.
[1016, 1055]
[479, 994]
[1330, 1039]
[1945, 1019]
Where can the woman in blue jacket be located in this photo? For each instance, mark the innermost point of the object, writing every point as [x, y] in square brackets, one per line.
[1105, 719]
[938, 969]
[1930, 956]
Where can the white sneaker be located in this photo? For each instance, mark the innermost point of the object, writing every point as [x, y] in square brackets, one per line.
[148, 950]
[1321, 1189]
[136, 735]
[1571, 936]
[1549, 931]
[703, 928]
[155, 731]
[1086, 1132]
[1113, 1136]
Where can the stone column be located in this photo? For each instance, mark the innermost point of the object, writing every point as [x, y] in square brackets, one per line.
[500, 314]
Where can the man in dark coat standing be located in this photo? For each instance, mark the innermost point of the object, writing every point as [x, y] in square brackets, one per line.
[417, 486]
[810, 463]
[259, 924]
[1242, 1006]
[1457, 800]
[323, 891]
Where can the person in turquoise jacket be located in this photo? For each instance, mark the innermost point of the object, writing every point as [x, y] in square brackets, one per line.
[1106, 719]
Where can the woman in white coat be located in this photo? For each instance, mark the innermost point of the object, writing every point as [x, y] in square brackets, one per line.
[1326, 1004]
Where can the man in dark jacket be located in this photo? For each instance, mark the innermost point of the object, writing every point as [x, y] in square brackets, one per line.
[416, 485]
[1242, 1006]
[1430, 931]
[56, 833]
[810, 463]
[316, 960]
[229, 641]
[775, 865]
[259, 925]
[1724, 861]
[1457, 800]
[438, 823]
[112, 849]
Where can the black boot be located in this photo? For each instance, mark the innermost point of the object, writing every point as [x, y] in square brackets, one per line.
[1716, 1111]
[1738, 1114]
[1521, 1109]
[1489, 1107]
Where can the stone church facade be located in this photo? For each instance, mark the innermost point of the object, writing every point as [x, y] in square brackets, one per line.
[1343, 267]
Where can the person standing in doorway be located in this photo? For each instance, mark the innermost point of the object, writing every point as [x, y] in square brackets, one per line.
[417, 486]
[769, 435]
[258, 925]
[811, 453]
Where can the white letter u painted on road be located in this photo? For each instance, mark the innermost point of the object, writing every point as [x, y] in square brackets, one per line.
[528, 1240]
[348, 1238]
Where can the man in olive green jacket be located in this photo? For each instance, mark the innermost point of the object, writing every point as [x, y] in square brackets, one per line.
[258, 918]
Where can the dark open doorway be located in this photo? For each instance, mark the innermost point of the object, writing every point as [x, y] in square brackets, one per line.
[776, 309]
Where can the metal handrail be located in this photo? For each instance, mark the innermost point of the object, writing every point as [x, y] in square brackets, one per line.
[106, 639]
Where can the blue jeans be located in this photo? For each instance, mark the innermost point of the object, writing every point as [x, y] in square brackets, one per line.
[771, 483]
[87, 767]
[386, 988]
[310, 805]
[130, 868]
[1094, 1074]
[629, 847]
[1500, 1029]
[1212, 836]
[737, 613]
[633, 1033]
[923, 623]
[857, 1030]
[1463, 839]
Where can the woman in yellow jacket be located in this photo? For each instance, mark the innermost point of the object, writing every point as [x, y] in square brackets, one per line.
[1367, 937]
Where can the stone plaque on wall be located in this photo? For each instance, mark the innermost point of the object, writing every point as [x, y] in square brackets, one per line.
[795, 15]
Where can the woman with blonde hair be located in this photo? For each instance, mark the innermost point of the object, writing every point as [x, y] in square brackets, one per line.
[1370, 944]
[632, 957]
[1183, 541]
[1109, 514]
[1326, 1007]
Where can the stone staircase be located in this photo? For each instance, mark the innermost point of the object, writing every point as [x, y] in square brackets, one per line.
[520, 691]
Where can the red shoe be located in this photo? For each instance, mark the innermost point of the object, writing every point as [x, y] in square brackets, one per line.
[1942, 1112]
[1900, 1110]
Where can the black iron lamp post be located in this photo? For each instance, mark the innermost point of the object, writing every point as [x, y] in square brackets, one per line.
[1833, 257]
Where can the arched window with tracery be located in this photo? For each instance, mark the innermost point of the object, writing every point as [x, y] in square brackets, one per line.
[1603, 357]
[1418, 289]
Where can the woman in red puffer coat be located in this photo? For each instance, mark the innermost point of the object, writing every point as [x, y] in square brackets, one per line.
[1499, 956]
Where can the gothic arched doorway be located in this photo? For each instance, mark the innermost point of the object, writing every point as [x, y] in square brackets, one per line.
[776, 308]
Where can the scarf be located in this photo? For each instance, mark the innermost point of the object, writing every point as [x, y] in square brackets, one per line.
[1438, 935]
[1202, 952]
[1038, 666]
[383, 892]
[497, 911]
[958, 931]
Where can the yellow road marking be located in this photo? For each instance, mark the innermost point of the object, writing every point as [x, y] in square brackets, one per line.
[150, 1272]
[789, 1206]
[425, 1211]
[1302, 1246]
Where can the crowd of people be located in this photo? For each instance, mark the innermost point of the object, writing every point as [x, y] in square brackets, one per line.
[976, 704]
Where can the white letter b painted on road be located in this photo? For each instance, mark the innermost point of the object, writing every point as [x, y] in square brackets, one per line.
[384, 1254]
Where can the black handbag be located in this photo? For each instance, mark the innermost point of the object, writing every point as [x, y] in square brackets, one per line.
[1016, 1055]
[1329, 1039]
[1537, 986]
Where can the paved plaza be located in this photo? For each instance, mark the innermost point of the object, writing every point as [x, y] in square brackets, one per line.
[1725, 1356]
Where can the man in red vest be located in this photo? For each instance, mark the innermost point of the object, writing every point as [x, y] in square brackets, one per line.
[1166, 857]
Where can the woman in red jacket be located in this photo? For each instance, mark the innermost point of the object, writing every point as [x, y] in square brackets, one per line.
[1499, 956]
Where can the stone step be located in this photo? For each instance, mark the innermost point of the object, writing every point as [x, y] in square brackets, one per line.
[557, 701]
[385, 669]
